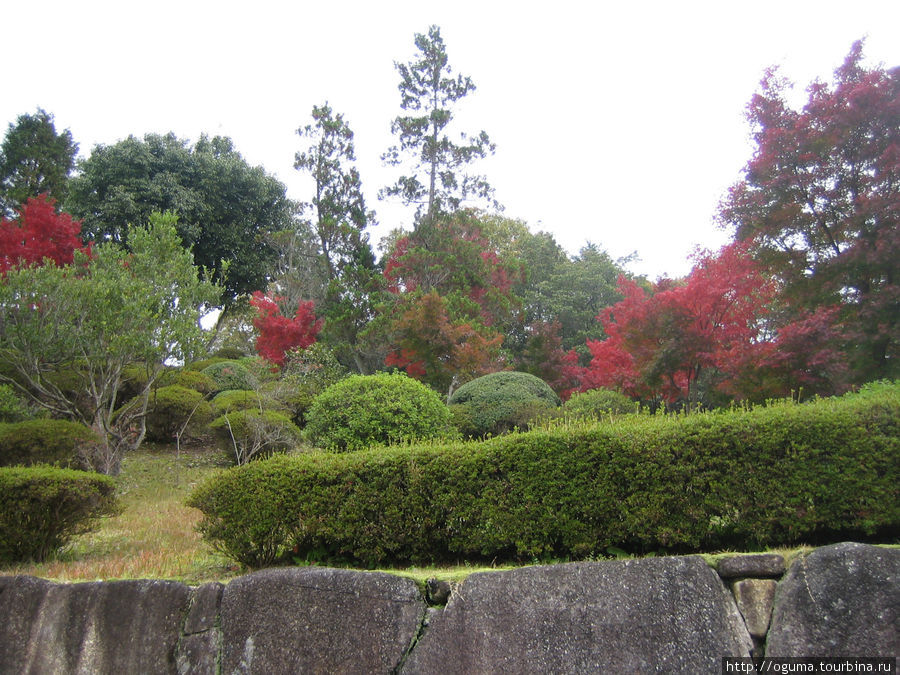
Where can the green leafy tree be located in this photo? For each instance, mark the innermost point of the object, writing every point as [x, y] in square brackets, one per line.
[34, 160]
[428, 91]
[227, 209]
[350, 277]
[97, 317]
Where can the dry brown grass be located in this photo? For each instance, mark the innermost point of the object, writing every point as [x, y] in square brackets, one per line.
[154, 535]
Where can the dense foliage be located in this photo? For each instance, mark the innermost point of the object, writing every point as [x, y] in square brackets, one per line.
[229, 374]
[176, 411]
[227, 209]
[249, 434]
[92, 320]
[41, 441]
[42, 508]
[771, 476]
[35, 160]
[364, 410]
[818, 206]
[500, 402]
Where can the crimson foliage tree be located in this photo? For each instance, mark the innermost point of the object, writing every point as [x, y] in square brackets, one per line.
[683, 337]
[819, 205]
[38, 232]
[277, 333]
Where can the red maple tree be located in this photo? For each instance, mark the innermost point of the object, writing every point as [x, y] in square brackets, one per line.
[277, 333]
[39, 233]
[661, 343]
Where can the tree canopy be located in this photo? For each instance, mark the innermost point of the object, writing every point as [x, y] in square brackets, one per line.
[819, 204]
[227, 210]
[34, 160]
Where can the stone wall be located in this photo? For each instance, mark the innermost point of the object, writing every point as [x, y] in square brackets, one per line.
[673, 614]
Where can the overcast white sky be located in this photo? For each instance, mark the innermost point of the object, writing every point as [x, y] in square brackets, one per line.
[616, 123]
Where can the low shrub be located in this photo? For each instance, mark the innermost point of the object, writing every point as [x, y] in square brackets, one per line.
[365, 410]
[598, 404]
[229, 375]
[190, 379]
[57, 442]
[232, 400]
[203, 364]
[176, 410]
[253, 434]
[772, 476]
[42, 508]
[500, 402]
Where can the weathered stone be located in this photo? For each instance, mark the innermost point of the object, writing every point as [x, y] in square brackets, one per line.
[754, 565]
[107, 627]
[755, 598]
[293, 620]
[20, 602]
[197, 654]
[636, 616]
[204, 612]
[841, 600]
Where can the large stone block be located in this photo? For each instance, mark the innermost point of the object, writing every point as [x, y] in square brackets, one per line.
[20, 601]
[637, 616]
[105, 627]
[318, 620]
[841, 600]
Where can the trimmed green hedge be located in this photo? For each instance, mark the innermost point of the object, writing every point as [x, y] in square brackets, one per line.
[771, 476]
[42, 508]
[42, 441]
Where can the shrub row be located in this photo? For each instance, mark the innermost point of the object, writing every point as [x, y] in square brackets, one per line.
[41, 508]
[765, 477]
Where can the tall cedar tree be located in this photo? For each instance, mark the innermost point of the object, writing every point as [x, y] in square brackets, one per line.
[34, 160]
[428, 91]
[350, 278]
[819, 204]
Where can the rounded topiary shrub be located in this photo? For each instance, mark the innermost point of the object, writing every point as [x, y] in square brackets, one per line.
[252, 434]
[176, 410]
[42, 507]
[191, 379]
[500, 402]
[58, 442]
[229, 375]
[364, 410]
[598, 403]
[232, 400]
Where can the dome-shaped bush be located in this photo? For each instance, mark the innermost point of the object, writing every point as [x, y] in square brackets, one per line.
[500, 402]
[174, 410]
[229, 375]
[364, 410]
